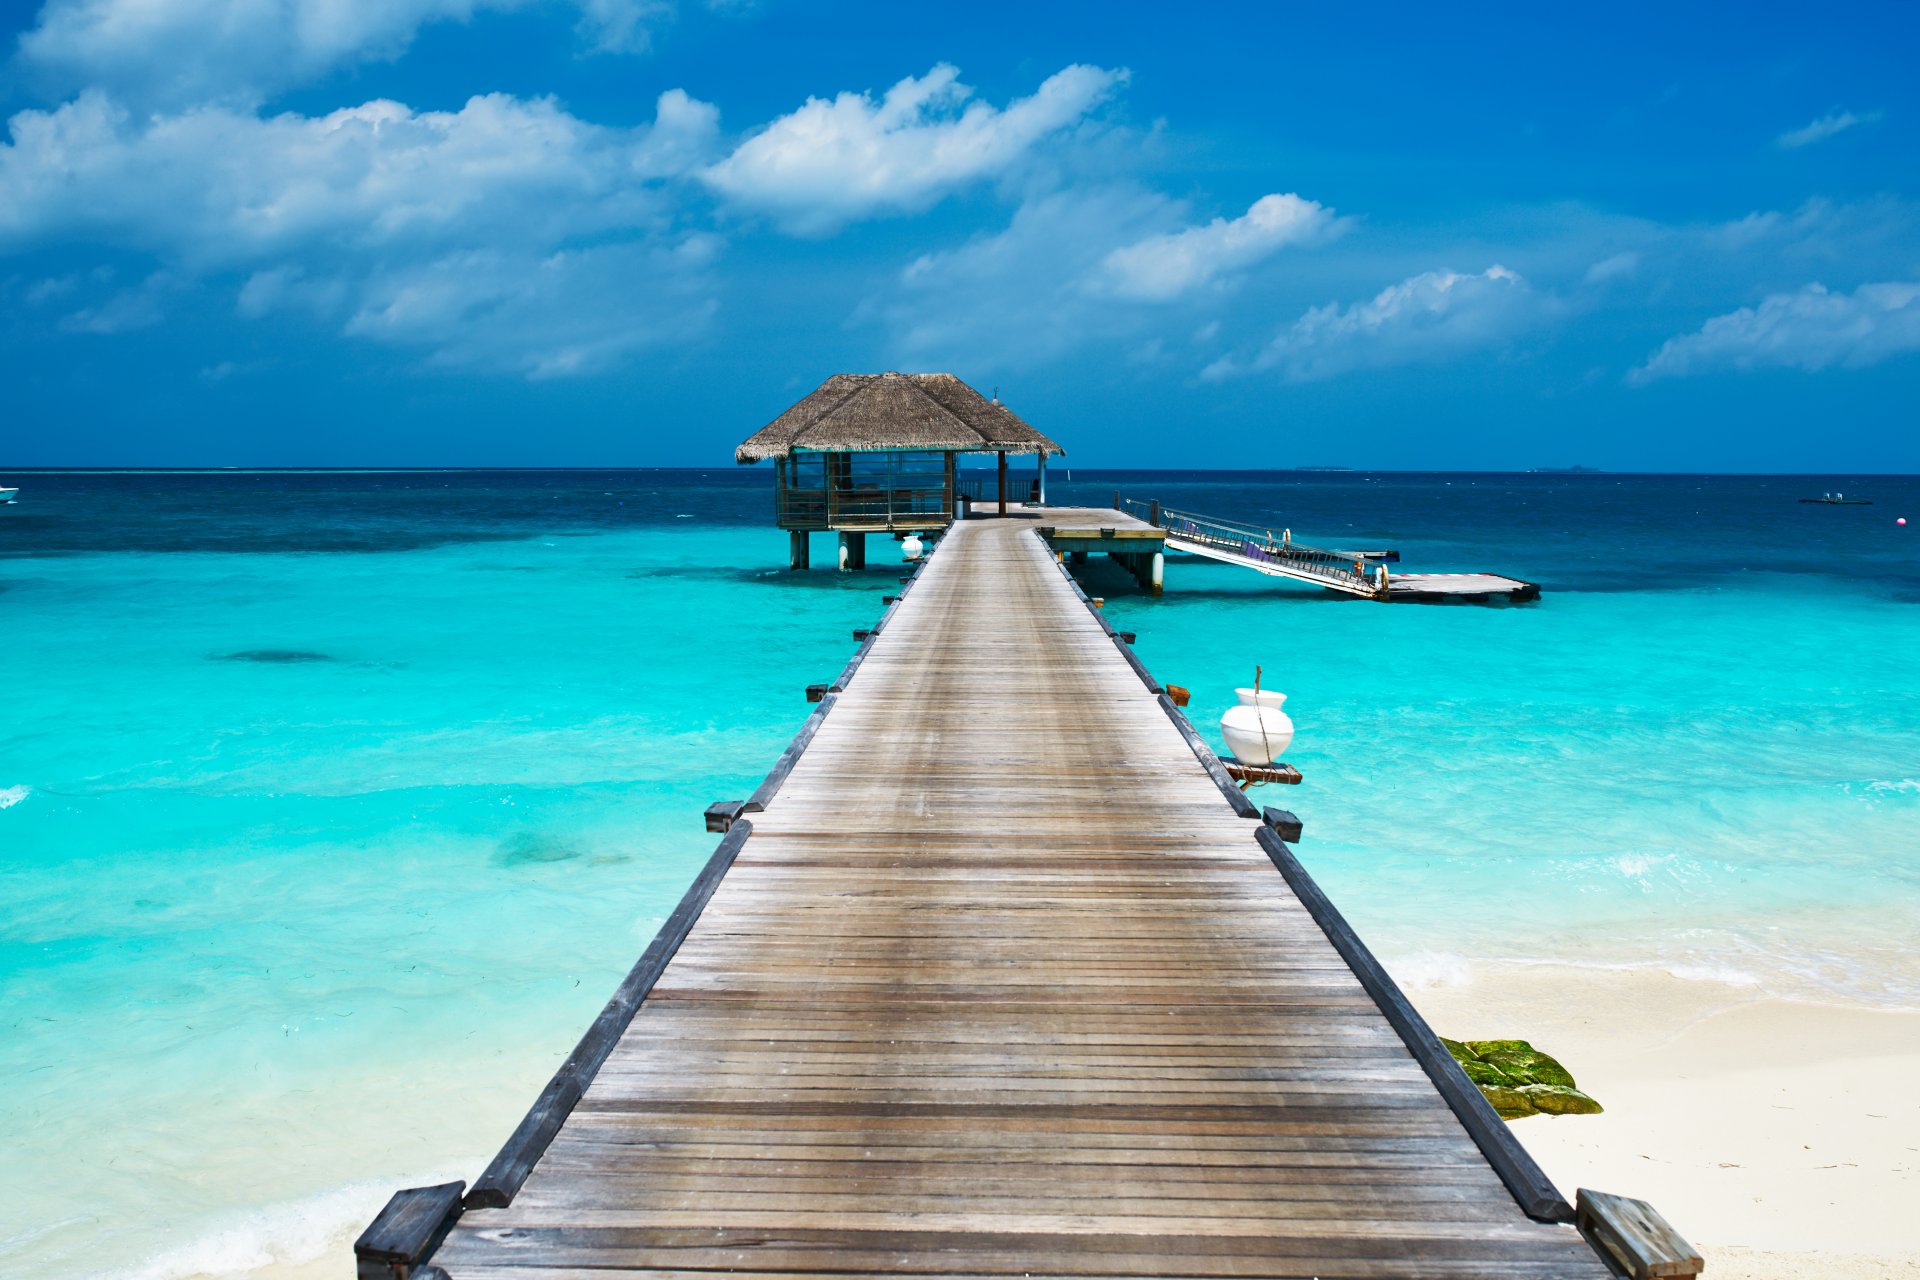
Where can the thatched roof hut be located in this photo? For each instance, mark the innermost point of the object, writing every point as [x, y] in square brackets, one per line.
[888, 412]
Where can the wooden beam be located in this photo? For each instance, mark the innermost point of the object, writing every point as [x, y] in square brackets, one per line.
[409, 1228]
[1635, 1235]
[1285, 823]
[1275, 772]
[722, 814]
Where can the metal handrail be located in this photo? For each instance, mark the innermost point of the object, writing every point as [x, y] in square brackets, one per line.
[1254, 543]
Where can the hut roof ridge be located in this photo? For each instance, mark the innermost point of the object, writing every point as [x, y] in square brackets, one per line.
[872, 412]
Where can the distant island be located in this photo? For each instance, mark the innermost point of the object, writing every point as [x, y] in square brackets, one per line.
[1566, 471]
[1323, 468]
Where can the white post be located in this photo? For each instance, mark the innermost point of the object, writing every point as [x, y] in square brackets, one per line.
[1043, 477]
[1159, 571]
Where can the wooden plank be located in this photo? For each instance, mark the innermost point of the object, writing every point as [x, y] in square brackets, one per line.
[1637, 1237]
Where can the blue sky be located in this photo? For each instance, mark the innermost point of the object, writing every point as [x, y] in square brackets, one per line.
[629, 232]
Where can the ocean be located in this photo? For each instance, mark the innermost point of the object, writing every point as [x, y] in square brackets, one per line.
[334, 805]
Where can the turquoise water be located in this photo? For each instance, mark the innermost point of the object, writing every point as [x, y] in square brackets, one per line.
[332, 808]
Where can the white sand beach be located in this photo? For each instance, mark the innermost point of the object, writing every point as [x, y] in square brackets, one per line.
[1782, 1139]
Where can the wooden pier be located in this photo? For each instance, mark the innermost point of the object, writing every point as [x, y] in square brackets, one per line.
[998, 974]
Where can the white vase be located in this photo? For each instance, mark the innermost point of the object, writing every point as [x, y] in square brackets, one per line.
[1257, 731]
[911, 548]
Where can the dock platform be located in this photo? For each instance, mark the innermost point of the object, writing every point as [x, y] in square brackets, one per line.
[947, 1004]
[1354, 573]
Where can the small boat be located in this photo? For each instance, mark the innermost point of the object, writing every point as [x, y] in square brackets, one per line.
[1840, 500]
[8, 495]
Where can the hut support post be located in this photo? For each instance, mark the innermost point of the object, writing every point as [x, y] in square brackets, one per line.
[1148, 568]
[853, 550]
[953, 487]
[1041, 494]
[796, 548]
[1003, 481]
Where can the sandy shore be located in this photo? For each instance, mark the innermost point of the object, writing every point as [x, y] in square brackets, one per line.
[1782, 1139]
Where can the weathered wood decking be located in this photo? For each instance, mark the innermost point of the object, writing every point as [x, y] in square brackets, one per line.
[958, 1008]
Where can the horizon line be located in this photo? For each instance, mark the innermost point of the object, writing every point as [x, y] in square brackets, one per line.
[736, 468]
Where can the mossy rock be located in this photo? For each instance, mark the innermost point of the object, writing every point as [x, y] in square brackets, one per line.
[1559, 1100]
[1531, 1067]
[1520, 1060]
[1485, 1073]
[1519, 1080]
[1509, 1102]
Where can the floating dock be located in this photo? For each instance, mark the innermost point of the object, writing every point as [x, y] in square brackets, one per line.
[1354, 573]
[999, 974]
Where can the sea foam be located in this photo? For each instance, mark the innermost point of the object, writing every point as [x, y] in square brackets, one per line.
[11, 796]
[285, 1234]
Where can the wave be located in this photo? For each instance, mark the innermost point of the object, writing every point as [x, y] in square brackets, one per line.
[288, 1234]
[1822, 978]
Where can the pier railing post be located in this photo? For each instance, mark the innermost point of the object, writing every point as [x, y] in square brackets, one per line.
[1003, 481]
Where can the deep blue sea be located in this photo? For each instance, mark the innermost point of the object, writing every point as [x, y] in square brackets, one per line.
[333, 805]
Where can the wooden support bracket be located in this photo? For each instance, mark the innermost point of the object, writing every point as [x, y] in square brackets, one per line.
[1127, 636]
[1635, 1236]
[1248, 774]
[1284, 822]
[412, 1226]
[861, 633]
[722, 814]
[888, 599]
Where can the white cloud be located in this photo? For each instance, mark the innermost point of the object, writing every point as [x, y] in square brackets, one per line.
[1021, 296]
[353, 217]
[1810, 329]
[554, 316]
[213, 185]
[1825, 127]
[832, 162]
[123, 310]
[621, 26]
[1434, 316]
[1616, 266]
[169, 52]
[1166, 266]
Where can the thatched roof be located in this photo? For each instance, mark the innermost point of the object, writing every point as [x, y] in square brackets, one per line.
[870, 412]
